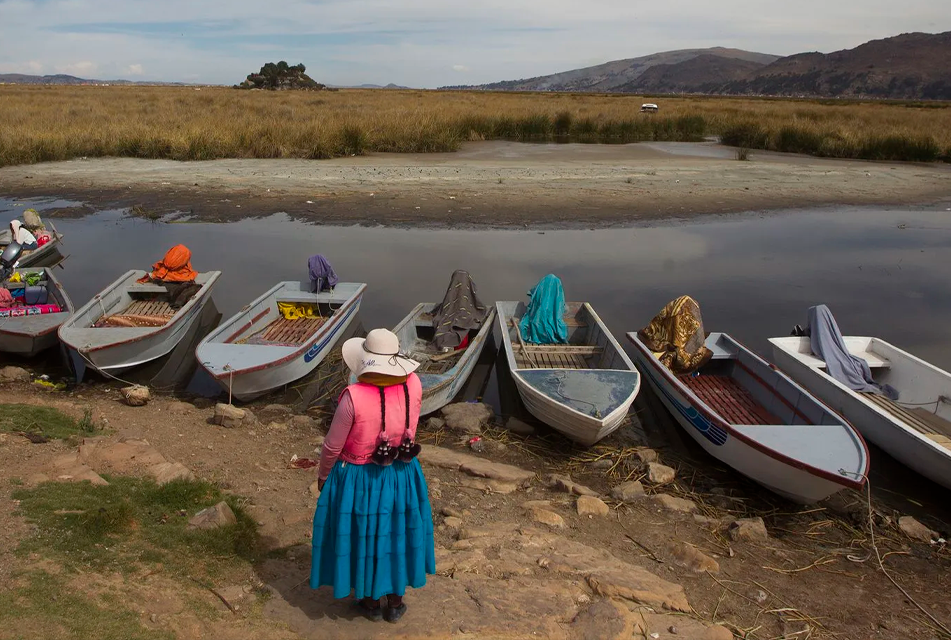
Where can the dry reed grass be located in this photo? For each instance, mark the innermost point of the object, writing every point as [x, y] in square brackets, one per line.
[40, 124]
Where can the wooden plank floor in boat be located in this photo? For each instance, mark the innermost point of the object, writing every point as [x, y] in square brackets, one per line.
[920, 419]
[553, 356]
[289, 332]
[731, 401]
[148, 308]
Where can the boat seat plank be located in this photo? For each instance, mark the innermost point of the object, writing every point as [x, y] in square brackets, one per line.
[146, 288]
[919, 418]
[730, 400]
[874, 361]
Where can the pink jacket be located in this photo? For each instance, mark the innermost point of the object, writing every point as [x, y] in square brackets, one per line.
[355, 430]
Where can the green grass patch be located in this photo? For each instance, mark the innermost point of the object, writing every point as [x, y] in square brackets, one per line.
[40, 606]
[133, 521]
[46, 421]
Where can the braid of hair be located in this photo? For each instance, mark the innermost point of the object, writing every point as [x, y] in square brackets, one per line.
[382, 413]
[406, 396]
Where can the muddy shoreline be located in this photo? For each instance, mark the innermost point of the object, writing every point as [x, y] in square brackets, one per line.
[486, 184]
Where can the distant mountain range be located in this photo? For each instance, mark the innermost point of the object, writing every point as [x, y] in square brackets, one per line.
[910, 66]
[21, 78]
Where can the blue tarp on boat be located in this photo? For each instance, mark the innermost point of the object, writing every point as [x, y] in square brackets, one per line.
[543, 322]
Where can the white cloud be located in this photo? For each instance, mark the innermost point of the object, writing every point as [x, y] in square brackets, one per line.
[409, 41]
[135, 70]
[83, 68]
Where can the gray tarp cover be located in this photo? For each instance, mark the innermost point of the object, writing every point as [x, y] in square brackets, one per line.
[827, 343]
[460, 311]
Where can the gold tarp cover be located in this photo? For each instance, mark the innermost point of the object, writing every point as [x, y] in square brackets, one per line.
[675, 335]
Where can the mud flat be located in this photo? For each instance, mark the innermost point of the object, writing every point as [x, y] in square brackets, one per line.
[486, 183]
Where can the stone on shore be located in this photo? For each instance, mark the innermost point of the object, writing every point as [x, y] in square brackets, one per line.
[520, 427]
[166, 472]
[467, 417]
[688, 556]
[749, 529]
[915, 530]
[177, 406]
[557, 482]
[672, 503]
[302, 422]
[591, 506]
[213, 517]
[544, 516]
[229, 416]
[646, 456]
[475, 466]
[659, 473]
[629, 491]
[136, 395]
[14, 374]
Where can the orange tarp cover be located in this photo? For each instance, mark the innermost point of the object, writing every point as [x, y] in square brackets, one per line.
[176, 266]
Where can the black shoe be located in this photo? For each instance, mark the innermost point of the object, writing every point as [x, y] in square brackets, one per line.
[371, 613]
[392, 614]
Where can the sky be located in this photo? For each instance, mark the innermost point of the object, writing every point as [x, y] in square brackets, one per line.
[420, 43]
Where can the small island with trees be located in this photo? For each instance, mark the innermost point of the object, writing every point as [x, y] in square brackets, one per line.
[281, 77]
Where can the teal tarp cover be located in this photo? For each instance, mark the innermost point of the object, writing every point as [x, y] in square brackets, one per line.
[543, 322]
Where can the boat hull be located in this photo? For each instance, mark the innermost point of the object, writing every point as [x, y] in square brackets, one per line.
[112, 351]
[787, 480]
[905, 445]
[570, 399]
[252, 384]
[440, 389]
[27, 336]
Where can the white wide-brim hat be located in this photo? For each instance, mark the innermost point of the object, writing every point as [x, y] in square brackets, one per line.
[379, 352]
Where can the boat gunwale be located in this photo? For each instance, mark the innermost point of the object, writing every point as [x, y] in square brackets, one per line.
[879, 411]
[200, 296]
[711, 415]
[304, 348]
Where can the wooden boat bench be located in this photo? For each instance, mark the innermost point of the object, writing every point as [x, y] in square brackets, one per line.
[146, 287]
[874, 361]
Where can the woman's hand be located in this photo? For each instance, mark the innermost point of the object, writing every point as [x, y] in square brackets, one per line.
[320, 483]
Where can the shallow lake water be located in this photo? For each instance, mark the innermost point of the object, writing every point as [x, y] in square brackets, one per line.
[883, 272]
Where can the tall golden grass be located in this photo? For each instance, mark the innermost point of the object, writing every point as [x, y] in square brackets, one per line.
[40, 124]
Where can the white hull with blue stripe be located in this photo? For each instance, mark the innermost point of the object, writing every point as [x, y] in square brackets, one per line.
[247, 366]
[803, 451]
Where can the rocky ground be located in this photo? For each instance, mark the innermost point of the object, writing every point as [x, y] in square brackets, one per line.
[535, 539]
[485, 183]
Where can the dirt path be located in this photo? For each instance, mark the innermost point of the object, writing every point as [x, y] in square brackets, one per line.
[488, 183]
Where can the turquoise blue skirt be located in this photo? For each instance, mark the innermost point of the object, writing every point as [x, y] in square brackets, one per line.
[373, 530]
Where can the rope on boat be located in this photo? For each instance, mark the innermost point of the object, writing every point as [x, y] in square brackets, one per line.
[878, 554]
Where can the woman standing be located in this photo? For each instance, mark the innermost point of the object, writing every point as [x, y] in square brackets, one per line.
[373, 527]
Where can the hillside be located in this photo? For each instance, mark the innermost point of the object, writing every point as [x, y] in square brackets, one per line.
[63, 79]
[22, 78]
[704, 73]
[911, 66]
[611, 76]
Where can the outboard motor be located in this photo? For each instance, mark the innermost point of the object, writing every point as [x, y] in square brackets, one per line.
[9, 259]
